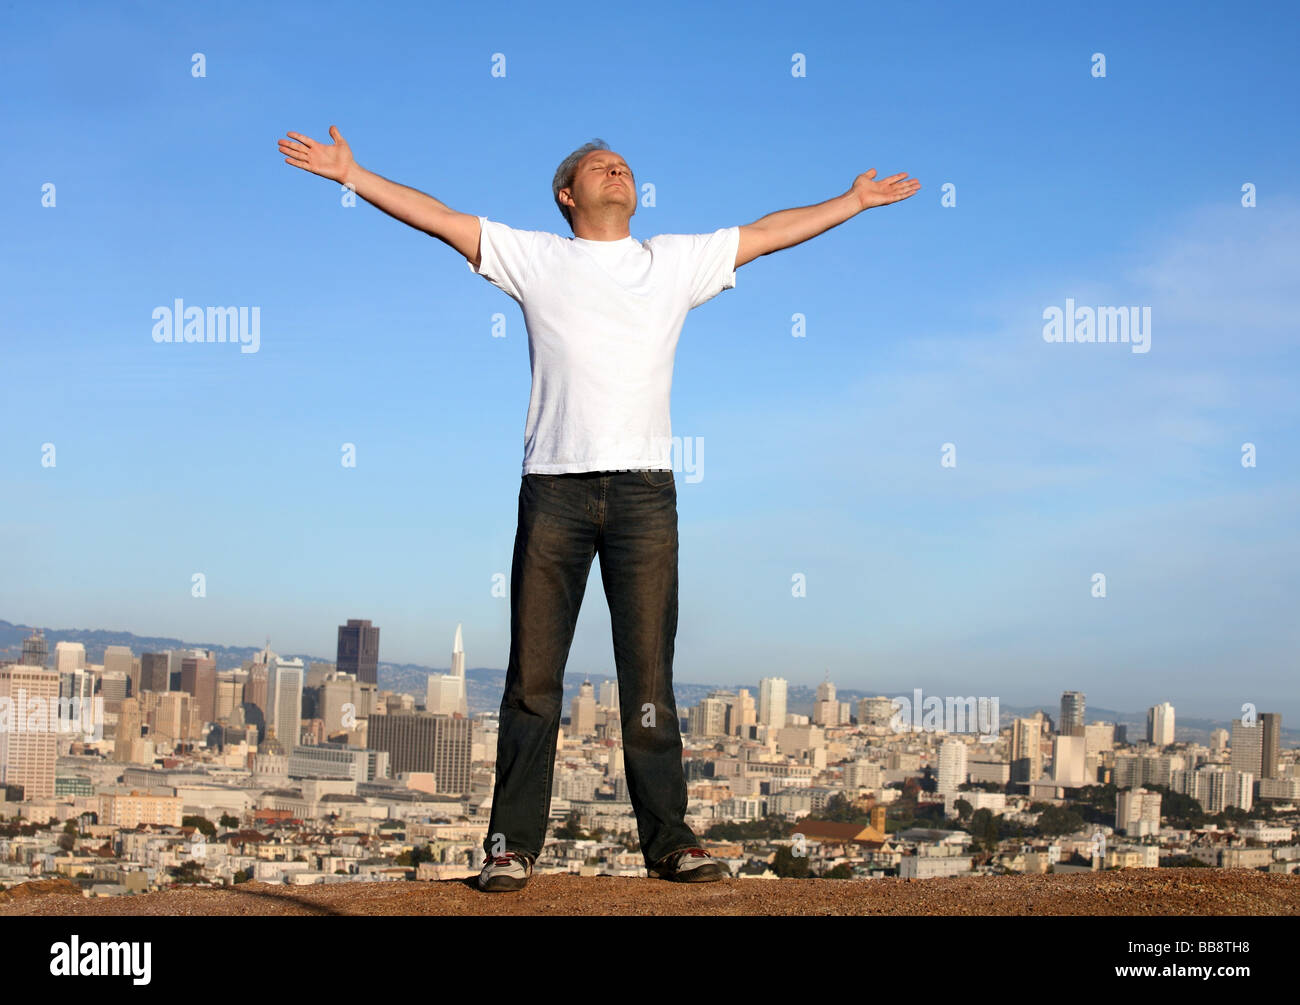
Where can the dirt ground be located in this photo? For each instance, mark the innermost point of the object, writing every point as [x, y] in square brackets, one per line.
[1122, 892]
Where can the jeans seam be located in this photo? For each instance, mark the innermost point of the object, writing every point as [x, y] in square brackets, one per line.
[544, 807]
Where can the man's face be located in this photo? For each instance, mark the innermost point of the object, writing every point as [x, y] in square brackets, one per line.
[602, 183]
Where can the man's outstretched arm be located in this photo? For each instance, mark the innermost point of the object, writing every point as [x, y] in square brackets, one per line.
[411, 206]
[789, 227]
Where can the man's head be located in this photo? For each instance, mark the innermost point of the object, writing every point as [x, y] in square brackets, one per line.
[596, 183]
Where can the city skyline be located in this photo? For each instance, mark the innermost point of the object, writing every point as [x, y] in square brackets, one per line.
[572, 681]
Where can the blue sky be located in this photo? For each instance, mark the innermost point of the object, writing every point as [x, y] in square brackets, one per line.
[821, 454]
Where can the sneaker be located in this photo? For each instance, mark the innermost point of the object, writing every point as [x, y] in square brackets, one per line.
[690, 865]
[505, 872]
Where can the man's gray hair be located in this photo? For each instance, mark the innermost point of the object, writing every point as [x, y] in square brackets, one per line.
[567, 169]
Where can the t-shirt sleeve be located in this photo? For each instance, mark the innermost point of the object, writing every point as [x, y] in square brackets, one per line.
[507, 257]
[708, 262]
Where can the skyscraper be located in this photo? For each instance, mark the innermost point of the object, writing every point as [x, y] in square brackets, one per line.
[118, 659]
[952, 767]
[742, 713]
[1271, 739]
[582, 712]
[284, 692]
[1026, 750]
[1072, 712]
[358, 651]
[1160, 724]
[1069, 761]
[420, 741]
[27, 757]
[826, 709]
[1247, 747]
[128, 730]
[445, 693]
[458, 655]
[35, 651]
[199, 678]
[175, 717]
[771, 701]
[154, 673]
[69, 656]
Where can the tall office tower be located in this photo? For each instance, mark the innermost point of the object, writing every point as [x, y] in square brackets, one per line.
[358, 650]
[284, 690]
[952, 767]
[420, 741]
[771, 701]
[826, 709]
[199, 678]
[257, 689]
[1160, 724]
[176, 664]
[154, 673]
[262, 657]
[458, 655]
[1098, 737]
[1098, 742]
[112, 688]
[319, 673]
[27, 757]
[608, 694]
[128, 730]
[1218, 740]
[76, 683]
[175, 717]
[741, 713]
[445, 693]
[1026, 749]
[1272, 723]
[35, 651]
[230, 694]
[1069, 760]
[118, 659]
[174, 668]
[708, 718]
[344, 704]
[1247, 747]
[1072, 711]
[69, 656]
[582, 712]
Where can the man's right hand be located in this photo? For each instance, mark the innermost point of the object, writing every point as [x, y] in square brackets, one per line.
[329, 160]
[414, 208]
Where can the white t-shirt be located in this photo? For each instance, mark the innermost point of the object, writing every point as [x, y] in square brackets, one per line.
[603, 319]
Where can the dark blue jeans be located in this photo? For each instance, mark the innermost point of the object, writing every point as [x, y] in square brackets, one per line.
[629, 519]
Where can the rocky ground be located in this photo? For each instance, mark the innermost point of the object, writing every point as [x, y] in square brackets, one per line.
[1123, 892]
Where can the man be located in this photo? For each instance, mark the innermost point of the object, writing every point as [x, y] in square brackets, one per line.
[603, 313]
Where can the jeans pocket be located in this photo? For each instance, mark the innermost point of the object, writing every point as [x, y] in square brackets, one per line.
[657, 479]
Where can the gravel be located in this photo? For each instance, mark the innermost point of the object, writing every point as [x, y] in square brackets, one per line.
[1120, 892]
